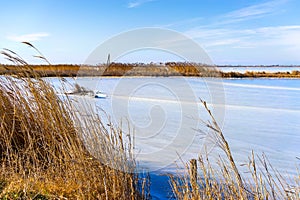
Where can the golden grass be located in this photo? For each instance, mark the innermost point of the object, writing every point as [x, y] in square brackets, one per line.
[48, 150]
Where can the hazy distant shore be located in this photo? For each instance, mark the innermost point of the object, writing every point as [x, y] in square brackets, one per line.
[141, 69]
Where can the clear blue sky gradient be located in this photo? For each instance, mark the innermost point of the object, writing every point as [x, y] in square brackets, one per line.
[231, 32]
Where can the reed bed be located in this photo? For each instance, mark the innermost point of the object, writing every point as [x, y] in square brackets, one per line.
[221, 179]
[140, 69]
[48, 150]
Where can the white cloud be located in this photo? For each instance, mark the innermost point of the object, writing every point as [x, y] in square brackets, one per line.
[184, 22]
[28, 37]
[226, 38]
[270, 44]
[245, 38]
[280, 35]
[134, 4]
[225, 42]
[247, 13]
[252, 12]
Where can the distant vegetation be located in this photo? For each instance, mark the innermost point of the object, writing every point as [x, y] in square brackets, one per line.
[140, 69]
[256, 74]
[115, 69]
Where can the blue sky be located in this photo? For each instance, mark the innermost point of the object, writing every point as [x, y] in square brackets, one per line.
[231, 32]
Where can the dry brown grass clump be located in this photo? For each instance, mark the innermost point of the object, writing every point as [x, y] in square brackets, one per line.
[222, 180]
[45, 148]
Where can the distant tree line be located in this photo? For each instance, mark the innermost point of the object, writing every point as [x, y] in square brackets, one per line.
[138, 69]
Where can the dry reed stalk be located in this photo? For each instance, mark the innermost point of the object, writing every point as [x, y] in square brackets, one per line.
[48, 150]
[225, 181]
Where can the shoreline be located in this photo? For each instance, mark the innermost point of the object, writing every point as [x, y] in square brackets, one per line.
[140, 70]
[133, 77]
